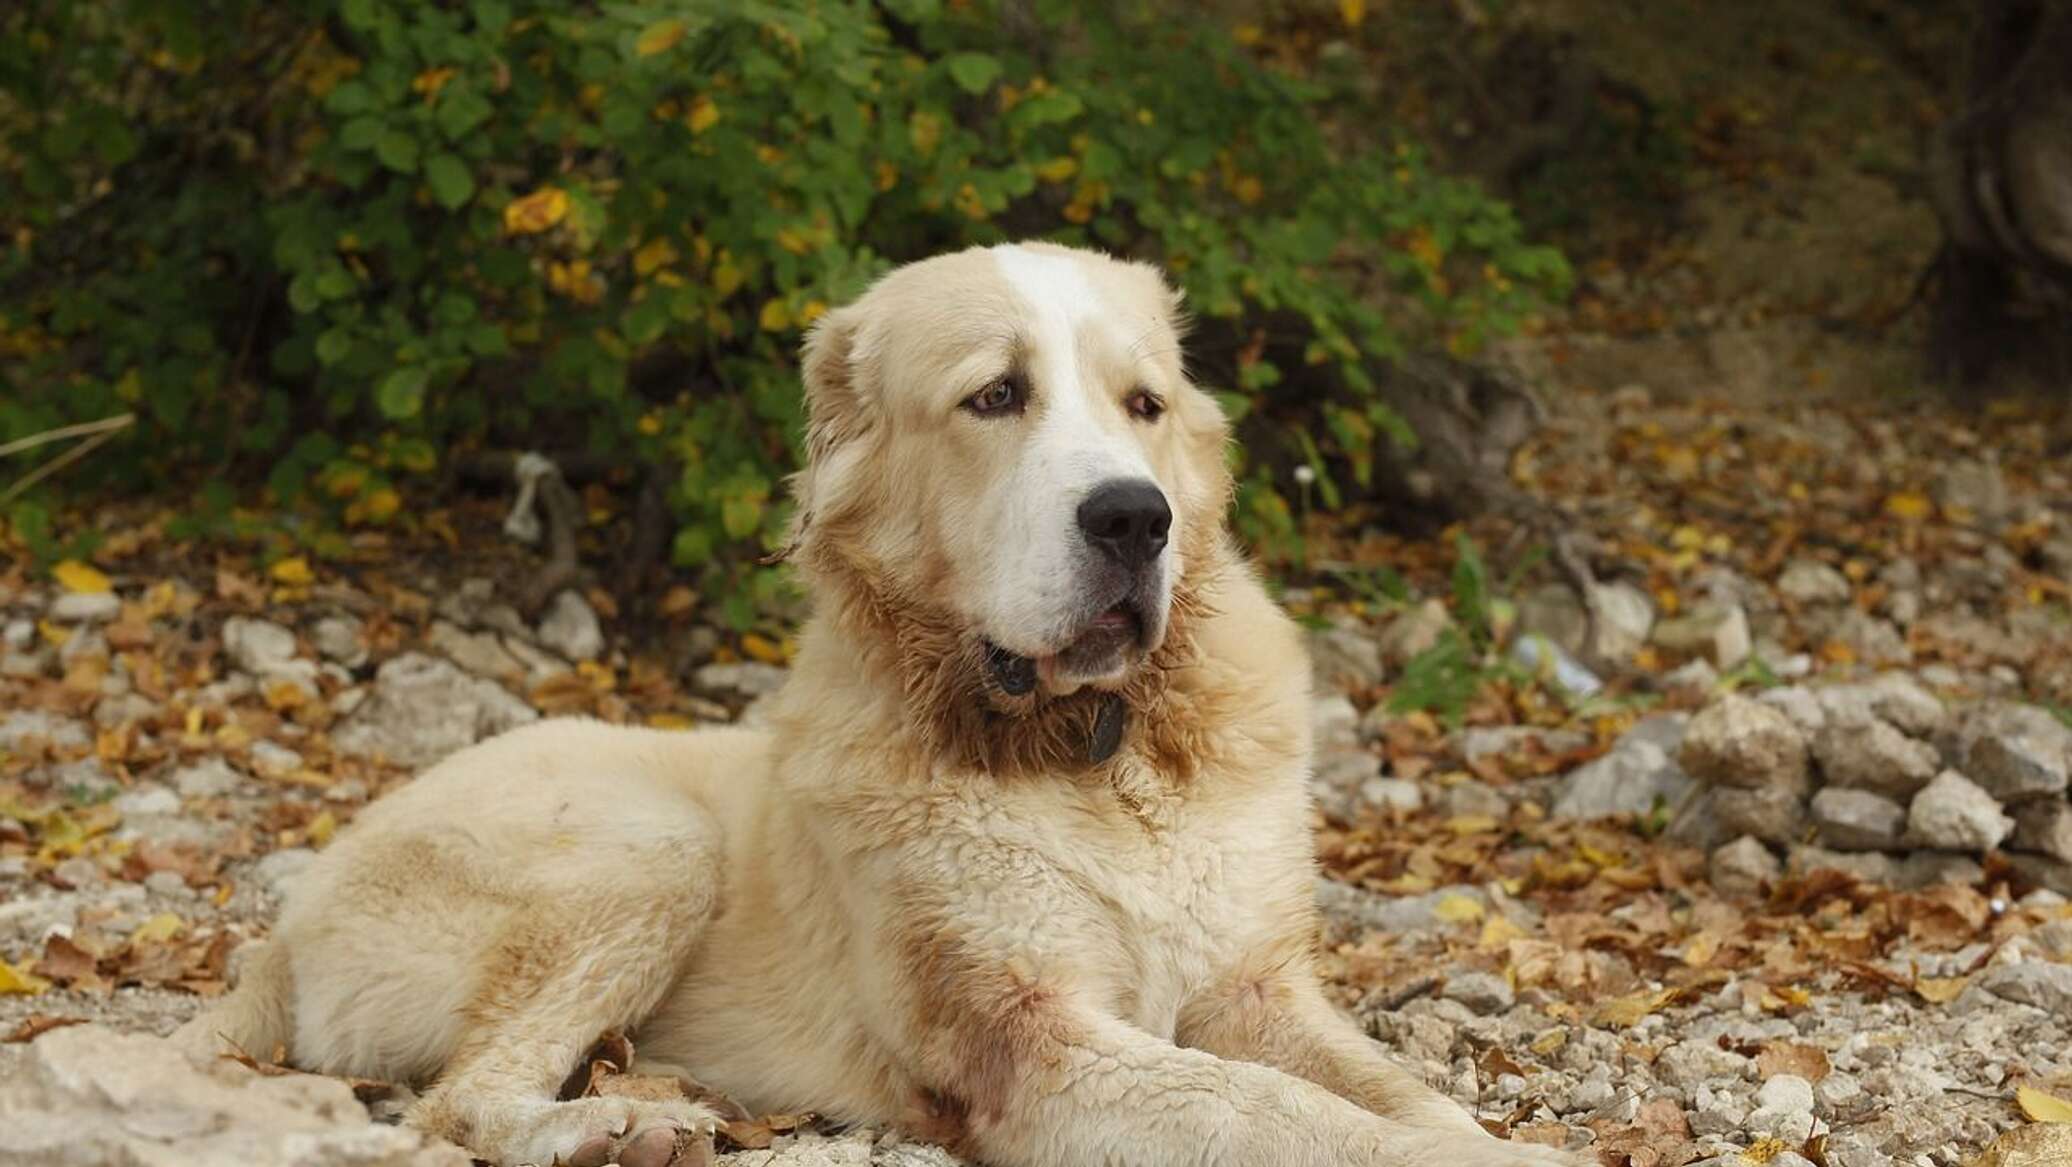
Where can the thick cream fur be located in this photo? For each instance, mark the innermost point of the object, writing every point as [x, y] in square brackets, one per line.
[907, 901]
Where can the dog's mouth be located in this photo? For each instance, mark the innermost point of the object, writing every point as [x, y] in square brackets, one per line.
[1100, 646]
[1099, 650]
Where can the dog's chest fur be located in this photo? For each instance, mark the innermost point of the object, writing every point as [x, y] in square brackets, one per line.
[1146, 903]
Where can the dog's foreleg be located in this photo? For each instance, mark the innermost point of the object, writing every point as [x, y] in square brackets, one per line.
[1084, 1090]
[1279, 1017]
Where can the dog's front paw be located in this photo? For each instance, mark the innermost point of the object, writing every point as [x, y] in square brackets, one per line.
[1475, 1148]
[591, 1132]
[1495, 1152]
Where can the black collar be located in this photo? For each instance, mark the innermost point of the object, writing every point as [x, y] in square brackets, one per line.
[1016, 676]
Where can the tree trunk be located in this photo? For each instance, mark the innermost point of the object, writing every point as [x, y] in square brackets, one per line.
[2001, 175]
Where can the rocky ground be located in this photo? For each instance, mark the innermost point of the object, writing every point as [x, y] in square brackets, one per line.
[1767, 862]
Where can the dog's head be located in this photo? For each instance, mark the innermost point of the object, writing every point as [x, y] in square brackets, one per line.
[1005, 437]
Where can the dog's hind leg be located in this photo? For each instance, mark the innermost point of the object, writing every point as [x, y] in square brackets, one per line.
[255, 1018]
[595, 950]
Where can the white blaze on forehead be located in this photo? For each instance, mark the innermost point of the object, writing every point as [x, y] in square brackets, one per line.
[1053, 288]
[1078, 441]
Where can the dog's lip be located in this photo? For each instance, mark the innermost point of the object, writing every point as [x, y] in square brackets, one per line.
[1123, 617]
[1123, 622]
[1119, 616]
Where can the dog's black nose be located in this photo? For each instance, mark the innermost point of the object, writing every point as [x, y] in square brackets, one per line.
[1127, 518]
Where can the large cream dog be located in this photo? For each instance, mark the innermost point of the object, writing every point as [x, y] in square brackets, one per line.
[1021, 865]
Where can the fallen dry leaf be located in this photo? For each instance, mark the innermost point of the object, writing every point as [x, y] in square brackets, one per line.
[2043, 1144]
[1626, 1012]
[1783, 1057]
[1658, 1136]
[2041, 1106]
[1763, 1150]
[1940, 990]
[758, 1133]
[75, 576]
[14, 980]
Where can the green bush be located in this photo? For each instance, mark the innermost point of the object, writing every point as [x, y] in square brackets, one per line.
[332, 240]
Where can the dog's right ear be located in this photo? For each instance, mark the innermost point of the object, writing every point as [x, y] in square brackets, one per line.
[837, 419]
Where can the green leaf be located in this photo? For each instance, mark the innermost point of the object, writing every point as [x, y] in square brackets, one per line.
[397, 150]
[401, 394]
[973, 72]
[461, 108]
[336, 283]
[492, 15]
[363, 15]
[302, 294]
[361, 133]
[488, 340]
[333, 345]
[349, 97]
[1046, 108]
[449, 179]
[740, 515]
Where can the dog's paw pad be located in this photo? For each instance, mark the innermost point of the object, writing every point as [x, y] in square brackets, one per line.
[667, 1146]
[595, 1151]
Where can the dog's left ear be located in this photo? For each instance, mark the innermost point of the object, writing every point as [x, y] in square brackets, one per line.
[837, 419]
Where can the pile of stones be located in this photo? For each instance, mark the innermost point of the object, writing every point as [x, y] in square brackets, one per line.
[1867, 776]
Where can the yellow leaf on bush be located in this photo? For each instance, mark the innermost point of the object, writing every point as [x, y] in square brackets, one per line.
[1058, 169]
[536, 212]
[653, 254]
[924, 132]
[659, 37]
[292, 572]
[702, 116]
[2042, 1107]
[75, 576]
[381, 506]
[1353, 12]
[725, 276]
[431, 81]
[14, 980]
[775, 316]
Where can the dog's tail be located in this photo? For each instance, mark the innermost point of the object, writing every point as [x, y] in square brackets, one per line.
[257, 1018]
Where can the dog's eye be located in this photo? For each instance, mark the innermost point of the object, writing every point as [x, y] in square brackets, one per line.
[1144, 405]
[1001, 396]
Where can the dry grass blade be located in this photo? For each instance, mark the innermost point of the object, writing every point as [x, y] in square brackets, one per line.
[79, 430]
[99, 434]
